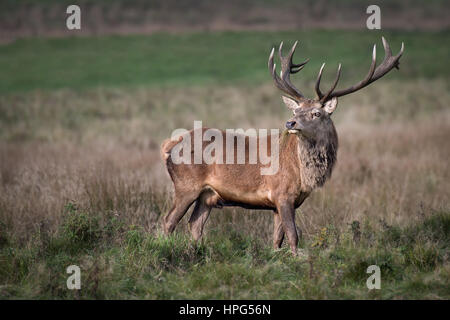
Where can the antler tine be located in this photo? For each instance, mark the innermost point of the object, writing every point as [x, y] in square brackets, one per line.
[280, 48]
[387, 48]
[278, 83]
[319, 93]
[294, 68]
[287, 67]
[338, 75]
[283, 82]
[319, 77]
[389, 62]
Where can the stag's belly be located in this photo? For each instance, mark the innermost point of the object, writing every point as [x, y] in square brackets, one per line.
[242, 195]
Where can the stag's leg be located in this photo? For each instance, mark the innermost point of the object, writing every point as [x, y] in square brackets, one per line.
[198, 218]
[287, 214]
[278, 232]
[180, 206]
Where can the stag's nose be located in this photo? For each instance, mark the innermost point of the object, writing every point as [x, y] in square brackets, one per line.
[290, 124]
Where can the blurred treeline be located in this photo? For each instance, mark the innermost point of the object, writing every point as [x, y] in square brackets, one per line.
[47, 17]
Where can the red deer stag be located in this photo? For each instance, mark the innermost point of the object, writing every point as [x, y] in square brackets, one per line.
[307, 154]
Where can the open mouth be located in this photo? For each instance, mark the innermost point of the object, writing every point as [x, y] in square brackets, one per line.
[294, 130]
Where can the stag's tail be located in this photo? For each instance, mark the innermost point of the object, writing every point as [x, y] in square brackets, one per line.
[166, 147]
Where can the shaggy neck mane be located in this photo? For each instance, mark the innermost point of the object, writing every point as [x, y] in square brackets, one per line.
[316, 159]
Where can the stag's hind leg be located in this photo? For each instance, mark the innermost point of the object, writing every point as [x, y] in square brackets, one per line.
[198, 218]
[205, 202]
[181, 205]
[278, 232]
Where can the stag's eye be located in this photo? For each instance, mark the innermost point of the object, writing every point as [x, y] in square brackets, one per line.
[316, 114]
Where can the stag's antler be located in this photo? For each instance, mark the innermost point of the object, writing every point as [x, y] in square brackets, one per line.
[287, 67]
[387, 65]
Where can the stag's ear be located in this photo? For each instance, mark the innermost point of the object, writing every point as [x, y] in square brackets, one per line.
[330, 105]
[290, 103]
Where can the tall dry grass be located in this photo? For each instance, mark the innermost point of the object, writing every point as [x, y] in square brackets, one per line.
[99, 150]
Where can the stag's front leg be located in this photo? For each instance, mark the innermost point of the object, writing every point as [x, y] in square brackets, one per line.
[286, 211]
[278, 232]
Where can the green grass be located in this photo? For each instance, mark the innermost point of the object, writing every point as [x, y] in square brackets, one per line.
[206, 58]
[227, 265]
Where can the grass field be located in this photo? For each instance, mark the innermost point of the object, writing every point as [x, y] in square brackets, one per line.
[81, 181]
[206, 58]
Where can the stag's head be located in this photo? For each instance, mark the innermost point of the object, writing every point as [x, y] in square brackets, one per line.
[312, 116]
